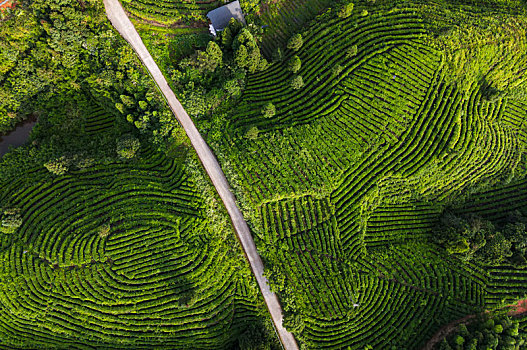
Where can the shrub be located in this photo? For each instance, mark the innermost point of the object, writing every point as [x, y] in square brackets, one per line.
[11, 220]
[58, 166]
[352, 51]
[295, 42]
[127, 147]
[297, 82]
[294, 64]
[346, 10]
[336, 70]
[104, 230]
[269, 110]
[252, 133]
[364, 13]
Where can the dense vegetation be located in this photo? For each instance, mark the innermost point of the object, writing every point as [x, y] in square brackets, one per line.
[110, 236]
[378, 154]
[401, 111]
[472, 237]
[497, 332]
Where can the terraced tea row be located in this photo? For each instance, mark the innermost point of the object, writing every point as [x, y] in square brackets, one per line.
[169, 12]
[98, 120]
[120, 255]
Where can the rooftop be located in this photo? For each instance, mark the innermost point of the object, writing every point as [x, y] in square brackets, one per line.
[221, 16]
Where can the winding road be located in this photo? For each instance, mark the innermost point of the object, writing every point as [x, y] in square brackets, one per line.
[124, 26]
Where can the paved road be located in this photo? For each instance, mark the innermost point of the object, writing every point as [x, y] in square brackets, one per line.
[124, 26]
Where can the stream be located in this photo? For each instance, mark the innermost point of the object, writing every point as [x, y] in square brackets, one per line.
[17, 137]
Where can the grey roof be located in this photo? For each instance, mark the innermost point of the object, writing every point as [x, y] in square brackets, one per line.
[221, 16]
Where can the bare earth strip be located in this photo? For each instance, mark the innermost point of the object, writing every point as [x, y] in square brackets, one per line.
[124, 26]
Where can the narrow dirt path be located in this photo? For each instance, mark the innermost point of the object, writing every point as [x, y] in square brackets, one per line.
[124, 26]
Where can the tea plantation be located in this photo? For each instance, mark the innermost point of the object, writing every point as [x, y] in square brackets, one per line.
[405, 110]
[377, 150]
[122, 254]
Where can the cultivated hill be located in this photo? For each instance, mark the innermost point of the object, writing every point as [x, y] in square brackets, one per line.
[405, 109]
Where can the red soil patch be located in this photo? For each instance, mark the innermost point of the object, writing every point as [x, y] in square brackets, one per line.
[7, 4]
[519, 308]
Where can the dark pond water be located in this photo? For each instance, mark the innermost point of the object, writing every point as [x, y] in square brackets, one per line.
[16, 138]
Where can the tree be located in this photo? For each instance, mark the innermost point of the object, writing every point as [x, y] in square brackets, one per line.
[247, 54]
[352, 51]
[496, 249]
[252, 133]
[104, 230]
[143, 105]
[127, 147]
[297, 82]
[459, 340]
[295, 42]
[233, 87]
[346, 10]
[211, 58]
[127, 101]
[240, 56]
[294, 64]
[11, 220]
[58, 166]
[120, 107]
[269, 110]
